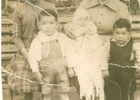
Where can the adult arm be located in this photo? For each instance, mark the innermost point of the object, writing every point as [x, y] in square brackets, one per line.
[17, 29]
[34, 55]
[68, 29]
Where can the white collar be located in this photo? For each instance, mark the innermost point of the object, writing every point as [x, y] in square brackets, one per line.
[120, 44]
[44, 38]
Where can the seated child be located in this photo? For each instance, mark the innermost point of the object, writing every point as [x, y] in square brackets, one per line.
[85, 56]
[47, 56]
[120, 53]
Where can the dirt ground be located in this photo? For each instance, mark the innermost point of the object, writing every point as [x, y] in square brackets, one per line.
[73, 95]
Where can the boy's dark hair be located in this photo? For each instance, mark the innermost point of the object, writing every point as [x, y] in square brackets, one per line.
[48, 12]
[121, 23]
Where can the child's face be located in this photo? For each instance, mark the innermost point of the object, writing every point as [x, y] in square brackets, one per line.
[82, 21]
[121, 35]
[47, 25]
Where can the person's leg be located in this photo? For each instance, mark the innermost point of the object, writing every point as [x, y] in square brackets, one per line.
[131, 96]
[46, 96]
[28, 96]
[48, 76]
[47, 92]
[63, 96]
[83, 98]
[112, 90]
[18, 96]
[111, 87]
[125, 92]
[22, 96]
[125, 80]
[132, 89]
[126, 89]
[74, 82]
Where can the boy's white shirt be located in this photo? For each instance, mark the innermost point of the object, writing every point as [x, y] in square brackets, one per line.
[35, 48]
[135, 55]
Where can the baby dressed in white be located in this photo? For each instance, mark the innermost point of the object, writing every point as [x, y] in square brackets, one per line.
[85, 56]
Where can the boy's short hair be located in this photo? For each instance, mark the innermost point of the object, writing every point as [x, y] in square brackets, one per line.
[121, 23]
[48, 12]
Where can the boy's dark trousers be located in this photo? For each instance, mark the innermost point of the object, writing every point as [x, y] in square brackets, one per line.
[120, 85]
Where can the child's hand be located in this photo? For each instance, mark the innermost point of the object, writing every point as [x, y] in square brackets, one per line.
[70, 72]
[105, 73]
[39, 76]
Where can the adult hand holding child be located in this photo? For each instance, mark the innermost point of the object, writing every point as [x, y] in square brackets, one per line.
[69, 30]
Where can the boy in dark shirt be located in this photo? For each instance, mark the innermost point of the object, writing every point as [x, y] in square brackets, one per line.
[121, 53]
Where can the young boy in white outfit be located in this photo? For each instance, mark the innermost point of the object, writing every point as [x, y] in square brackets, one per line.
[85, 54]
[47, 56]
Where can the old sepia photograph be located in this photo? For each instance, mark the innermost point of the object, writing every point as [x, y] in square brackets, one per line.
[70, 49]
